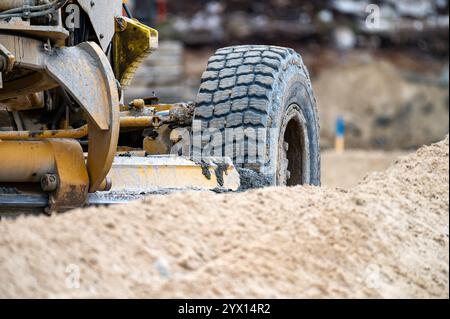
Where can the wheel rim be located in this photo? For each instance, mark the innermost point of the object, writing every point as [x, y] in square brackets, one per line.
[293, 149]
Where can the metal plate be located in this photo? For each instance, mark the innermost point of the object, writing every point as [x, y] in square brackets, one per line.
[102, 14]
[153, 173]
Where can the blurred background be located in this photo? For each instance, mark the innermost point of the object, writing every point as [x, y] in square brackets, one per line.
[381, 66]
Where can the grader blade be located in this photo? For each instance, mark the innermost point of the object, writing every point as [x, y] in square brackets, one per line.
[151, 174]
[134, 177]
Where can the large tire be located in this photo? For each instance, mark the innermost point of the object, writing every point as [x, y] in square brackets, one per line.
[264, 88]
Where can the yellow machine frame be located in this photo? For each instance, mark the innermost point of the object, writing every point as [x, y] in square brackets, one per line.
[54, 159]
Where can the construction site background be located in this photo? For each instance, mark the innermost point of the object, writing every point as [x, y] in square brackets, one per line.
[389, 83]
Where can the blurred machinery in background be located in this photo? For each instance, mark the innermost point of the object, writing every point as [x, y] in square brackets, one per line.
[419, 22]
[149, 12]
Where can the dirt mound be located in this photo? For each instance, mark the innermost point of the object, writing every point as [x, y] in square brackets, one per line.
[383, 108]
[388, 237]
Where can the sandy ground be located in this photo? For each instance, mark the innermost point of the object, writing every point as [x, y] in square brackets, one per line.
[387, 237]
[348, 169]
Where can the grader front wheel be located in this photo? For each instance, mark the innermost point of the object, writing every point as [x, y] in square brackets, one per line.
[262, 89]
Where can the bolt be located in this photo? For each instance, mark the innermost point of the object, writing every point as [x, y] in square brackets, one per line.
[49, 183]
[122, 24]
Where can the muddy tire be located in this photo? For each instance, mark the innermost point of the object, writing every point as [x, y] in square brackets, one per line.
[267, 90]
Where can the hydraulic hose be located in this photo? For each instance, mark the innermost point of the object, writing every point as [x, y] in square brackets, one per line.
[30, 8]
[11, 4]
[33, 11]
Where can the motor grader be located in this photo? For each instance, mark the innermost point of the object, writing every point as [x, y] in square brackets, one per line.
[67, 139]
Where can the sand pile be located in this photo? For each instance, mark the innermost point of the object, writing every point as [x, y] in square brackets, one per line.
[388, 237]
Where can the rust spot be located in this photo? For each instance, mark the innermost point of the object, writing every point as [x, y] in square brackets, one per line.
[34, 134]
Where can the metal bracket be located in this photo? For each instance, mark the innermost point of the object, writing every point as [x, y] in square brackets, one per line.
[7, 60]
[72, 176]
[133, 42]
